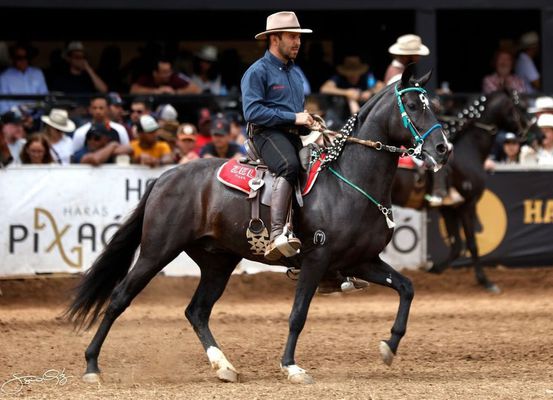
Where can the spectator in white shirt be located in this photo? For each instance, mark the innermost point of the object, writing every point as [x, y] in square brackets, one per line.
[57, 125]
[543, 154]
[100, 114]
[525, 66]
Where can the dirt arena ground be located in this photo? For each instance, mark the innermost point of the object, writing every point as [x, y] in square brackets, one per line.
[461, 343]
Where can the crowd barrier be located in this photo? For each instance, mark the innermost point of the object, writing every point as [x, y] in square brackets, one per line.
[57, 219]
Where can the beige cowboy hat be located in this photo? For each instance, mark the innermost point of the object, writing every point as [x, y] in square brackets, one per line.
[283, 21]
[59, 119]
[409, 45]
[352, 65]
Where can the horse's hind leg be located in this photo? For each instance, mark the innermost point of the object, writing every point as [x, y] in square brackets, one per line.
[451, 221]
[138, 277]
[468, 218]
[377, 271]
[215, 273]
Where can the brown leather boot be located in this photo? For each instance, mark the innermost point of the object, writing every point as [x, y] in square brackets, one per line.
[280, 201]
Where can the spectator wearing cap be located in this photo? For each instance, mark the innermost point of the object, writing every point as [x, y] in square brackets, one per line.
[57, 125]
[354, 81]
[21, 78]
[407, 49]
[510, 152]
[221, 146]
[78, 76]
[100, 115]
[14, 135]
[543, 154]
[148, 149]
[185, 144]
[101, 146]
[163, 80]
[204, 130]
[503, 77]
[117, 111]
[206, 74]
[525, 66]
[36, 150]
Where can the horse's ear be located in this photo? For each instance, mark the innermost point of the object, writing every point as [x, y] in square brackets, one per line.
[423, 80]
[407, 75]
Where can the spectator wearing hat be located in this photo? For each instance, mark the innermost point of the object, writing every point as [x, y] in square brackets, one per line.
[21, 77]
[206, 73]
[148, 149]
[78, 76]
[221, 146]
[36, 150]
[185, 144]
[117, 111]
[100, 115]
[407, 49]
[57, 125]
[163, 80]
[525, 66]
[543, 154]
[542, 105]
[101, 146]
[14, 135]
[503, 77]
[354, 81]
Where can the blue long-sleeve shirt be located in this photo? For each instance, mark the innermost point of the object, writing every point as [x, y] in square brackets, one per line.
[13, 81]
[272, 92]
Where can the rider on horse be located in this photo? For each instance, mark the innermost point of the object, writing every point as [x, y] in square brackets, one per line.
[273, 103]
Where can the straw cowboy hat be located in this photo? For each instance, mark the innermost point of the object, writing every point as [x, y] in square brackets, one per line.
[529, 39]
[352, 65]
[543, 103]
[59, 119]
[283, 21]
[409, 45]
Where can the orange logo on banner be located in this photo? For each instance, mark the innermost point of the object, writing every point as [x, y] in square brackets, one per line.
[493, 220]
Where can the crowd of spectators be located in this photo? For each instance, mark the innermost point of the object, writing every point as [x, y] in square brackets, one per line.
[136, 132]
[141, 135]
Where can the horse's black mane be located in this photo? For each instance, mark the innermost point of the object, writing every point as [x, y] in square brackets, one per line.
[368, 106]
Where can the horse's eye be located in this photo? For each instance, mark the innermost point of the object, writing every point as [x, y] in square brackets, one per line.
[412, 106]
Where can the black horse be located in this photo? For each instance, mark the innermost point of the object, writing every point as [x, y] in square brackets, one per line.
[473, 134]
[187, 209]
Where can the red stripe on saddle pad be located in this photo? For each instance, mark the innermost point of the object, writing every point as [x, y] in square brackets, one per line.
[238, 176]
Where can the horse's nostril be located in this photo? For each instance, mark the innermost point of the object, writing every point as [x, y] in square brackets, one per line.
[441, 148]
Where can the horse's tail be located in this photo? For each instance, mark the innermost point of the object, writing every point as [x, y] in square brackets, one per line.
[111, 266]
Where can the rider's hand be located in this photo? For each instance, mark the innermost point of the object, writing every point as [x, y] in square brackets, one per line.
[304, 118]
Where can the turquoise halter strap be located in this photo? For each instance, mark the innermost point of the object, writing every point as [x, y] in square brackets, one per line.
[419, 139]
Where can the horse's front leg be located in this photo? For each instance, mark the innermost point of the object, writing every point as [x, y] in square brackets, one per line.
[312, 270]
[377, 271]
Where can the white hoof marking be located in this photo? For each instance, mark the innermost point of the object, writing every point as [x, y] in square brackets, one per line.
[225, 371]
[296, 374]
[386, 353]
[91, 377]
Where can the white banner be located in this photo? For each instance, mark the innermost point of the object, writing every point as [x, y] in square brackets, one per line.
[58, 219]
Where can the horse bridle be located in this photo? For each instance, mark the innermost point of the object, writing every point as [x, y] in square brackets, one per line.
[415, 151]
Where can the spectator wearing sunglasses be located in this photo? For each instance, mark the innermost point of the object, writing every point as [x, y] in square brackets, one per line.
[21, 78]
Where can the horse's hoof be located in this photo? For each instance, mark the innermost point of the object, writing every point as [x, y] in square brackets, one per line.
[436, 269]
[386, 353]
[493, 288]
[91, 377]
[228, 375]
[296, 374]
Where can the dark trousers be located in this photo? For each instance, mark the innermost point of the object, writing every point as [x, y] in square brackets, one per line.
[279, 150]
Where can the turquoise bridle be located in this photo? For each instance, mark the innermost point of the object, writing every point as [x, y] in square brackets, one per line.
[419, 139]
